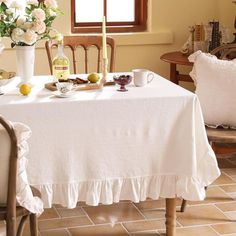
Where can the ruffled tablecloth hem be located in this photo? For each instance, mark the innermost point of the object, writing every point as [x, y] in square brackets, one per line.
[134, 189]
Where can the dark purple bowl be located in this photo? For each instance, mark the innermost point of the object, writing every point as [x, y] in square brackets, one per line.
[122, 80]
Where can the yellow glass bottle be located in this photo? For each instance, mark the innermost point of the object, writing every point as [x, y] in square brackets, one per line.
[61, 64]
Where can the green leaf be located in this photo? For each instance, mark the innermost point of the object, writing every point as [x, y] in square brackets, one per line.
[2, 25]
[52, 18]
[58, 11]
[3, 6]
[32, 7]
[12, 27]
[27, 10]
[46, 36]
[9, 17]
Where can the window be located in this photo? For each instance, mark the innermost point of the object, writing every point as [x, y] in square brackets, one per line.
[121, 15]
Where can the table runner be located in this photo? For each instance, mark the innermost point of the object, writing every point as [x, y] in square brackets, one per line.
[106, 146]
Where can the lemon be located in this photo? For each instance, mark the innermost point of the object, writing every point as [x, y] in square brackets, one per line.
[93, 77]
[25, 89]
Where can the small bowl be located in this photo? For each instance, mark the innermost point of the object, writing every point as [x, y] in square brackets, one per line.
[64, 87]
[122, 80]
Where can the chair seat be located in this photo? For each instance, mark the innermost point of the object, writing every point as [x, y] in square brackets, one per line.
[221, 135]
[20, 211]
[223, 141]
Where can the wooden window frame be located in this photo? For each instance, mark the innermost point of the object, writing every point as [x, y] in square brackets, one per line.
[140, 23]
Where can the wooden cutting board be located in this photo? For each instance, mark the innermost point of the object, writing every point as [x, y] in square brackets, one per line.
[80, 87]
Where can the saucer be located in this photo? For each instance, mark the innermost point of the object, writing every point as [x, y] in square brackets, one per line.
[63, 95]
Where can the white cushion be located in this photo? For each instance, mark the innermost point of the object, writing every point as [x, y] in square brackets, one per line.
[24, 194]
[4, 163]
[215, 82]
[3, 229]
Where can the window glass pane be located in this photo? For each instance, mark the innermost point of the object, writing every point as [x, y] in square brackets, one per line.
[88, 11]
[120, 10]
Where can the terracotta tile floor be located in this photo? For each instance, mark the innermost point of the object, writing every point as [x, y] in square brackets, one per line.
[215, 216]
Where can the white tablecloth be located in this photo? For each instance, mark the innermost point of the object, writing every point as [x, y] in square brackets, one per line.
[105, 146]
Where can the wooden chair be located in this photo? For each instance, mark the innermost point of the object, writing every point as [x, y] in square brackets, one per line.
[10, 212]
[84, 42]
[226, 51]
[225, 137]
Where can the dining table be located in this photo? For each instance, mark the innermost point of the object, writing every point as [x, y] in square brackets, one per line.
[104, 146]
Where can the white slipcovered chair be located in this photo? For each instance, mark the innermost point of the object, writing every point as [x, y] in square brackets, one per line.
[16, 197]
[215, 79]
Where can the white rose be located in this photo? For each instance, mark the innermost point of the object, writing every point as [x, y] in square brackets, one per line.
[39, 14]
[30, 37]
[7, 2]
[39, 27]
[17, 35]
[27, 25]
[21, 20]
[51, 3]
[10, 11]
[33, 2]
[18, 5]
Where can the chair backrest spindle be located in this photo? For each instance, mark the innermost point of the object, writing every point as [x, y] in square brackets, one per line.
[99, 60]
[86, 43]
[86, 60]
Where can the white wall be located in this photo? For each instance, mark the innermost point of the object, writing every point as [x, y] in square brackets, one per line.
[168, 29]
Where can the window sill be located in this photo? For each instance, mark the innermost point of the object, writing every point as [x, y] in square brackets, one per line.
[125, 39]
[155, 38]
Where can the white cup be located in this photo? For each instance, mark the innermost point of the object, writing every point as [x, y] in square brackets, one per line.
[142, 77]
[64, 87]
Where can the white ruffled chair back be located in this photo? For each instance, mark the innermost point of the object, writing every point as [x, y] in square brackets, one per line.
[24, 195]
[5, 148]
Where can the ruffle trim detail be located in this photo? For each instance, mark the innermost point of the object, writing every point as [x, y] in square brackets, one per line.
[24, 195]
[134, 189]
[221, 126]
[114, 190]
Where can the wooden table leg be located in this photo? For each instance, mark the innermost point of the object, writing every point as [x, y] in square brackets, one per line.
[183, 205]
[173, 73]
[170, 216]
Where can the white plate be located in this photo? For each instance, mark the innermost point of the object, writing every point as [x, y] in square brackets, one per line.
[63, 95]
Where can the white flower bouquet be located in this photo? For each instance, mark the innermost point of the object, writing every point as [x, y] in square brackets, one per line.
[27, 22]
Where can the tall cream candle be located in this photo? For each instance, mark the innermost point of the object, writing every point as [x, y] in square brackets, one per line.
[104, 39]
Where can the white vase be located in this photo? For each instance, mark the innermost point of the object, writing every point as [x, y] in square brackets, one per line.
[25, 56]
